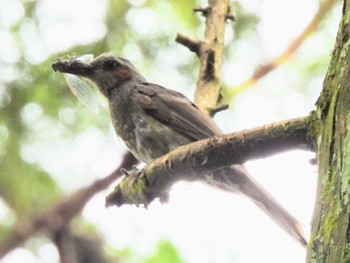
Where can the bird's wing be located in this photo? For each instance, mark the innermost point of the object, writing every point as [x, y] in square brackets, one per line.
[174, 110]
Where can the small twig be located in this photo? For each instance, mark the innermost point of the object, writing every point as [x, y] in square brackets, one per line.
[204, 11]
[219, 108]
[191, 44]
[229, 16]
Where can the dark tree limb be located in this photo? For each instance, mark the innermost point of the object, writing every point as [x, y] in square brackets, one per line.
[65, 246]
[77, 248]
[60, 215]
[189, 162]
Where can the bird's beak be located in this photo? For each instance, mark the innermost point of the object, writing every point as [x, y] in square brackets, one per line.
[73, 66]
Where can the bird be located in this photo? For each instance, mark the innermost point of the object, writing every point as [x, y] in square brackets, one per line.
[153, 120]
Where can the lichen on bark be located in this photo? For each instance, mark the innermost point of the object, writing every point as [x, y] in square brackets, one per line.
[330, 238]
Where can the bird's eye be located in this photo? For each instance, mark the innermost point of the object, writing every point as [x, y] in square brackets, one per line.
[110, 65]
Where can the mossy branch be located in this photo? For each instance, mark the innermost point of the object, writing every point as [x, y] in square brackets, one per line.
[189, 162]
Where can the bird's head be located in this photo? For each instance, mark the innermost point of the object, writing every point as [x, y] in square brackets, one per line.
[106, 71]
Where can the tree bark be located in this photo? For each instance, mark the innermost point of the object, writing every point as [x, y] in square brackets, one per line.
[207, 94]
[330, 237]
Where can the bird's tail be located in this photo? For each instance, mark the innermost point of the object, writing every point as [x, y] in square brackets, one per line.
[237, 179]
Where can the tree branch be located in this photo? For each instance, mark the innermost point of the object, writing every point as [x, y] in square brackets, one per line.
[60, 215]
[189, 162]
[207, 94]
[65, 246]
[288, 52]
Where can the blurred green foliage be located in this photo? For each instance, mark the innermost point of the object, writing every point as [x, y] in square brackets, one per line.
[164, 251]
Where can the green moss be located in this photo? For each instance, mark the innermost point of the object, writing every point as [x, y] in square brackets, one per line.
[345, 172]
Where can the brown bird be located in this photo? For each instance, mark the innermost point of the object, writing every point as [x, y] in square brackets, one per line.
[153, 120]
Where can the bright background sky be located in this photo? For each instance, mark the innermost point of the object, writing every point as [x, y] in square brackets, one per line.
[204, 224]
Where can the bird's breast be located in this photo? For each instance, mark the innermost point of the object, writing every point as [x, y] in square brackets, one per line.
[153, 138]
[146, 137]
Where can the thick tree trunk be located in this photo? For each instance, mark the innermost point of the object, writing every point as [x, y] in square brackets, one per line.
[330, 237]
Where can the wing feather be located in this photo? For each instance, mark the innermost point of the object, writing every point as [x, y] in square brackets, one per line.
[174, 110]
